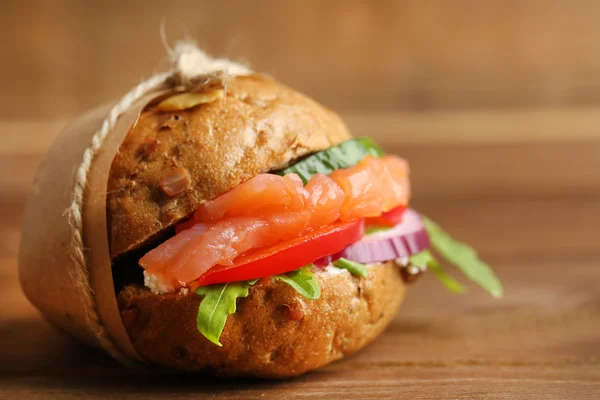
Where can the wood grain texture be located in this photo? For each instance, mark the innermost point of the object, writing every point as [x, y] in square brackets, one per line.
[505, 154]
[541, 340]
[359, 55]
[531, 208]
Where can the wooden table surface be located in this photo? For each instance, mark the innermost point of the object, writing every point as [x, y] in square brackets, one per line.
[522, 187]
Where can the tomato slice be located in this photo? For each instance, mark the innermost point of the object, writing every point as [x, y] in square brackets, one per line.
[390, 218]
[287, 256]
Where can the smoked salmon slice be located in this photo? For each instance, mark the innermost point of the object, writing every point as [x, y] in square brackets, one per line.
[269, 209]
[372, 187]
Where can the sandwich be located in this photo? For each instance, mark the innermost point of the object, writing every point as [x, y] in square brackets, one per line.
[258, 238]
[227, 225]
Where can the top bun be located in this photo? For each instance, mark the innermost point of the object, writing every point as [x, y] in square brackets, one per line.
[172, 161]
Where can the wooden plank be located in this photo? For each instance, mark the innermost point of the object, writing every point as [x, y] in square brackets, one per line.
[521, 228]
[356, 56]
[541, 340]
[393, 129]
[391, 382]
[447, 170]
[493, 126]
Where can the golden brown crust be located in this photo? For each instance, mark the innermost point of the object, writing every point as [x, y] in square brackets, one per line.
[257, 126]
[275, 333]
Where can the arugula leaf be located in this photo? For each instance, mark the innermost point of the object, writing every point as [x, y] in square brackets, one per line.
[422, 259]
[218, 302]
[303, 281]
[353, 267]
[425, 258]
[463, 257]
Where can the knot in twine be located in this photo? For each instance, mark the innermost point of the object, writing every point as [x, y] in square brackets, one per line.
[191, 68]
[192, 63]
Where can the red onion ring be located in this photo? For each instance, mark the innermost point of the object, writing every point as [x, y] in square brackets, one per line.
[405, 239]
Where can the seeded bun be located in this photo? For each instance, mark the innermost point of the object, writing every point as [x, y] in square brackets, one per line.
[257, 125]
[275, 332]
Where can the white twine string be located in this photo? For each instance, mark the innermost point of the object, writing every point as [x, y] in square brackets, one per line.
[190, 65]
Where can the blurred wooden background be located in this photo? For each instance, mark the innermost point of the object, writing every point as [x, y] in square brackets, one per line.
[495, 103]
[507, 92]
[61, 57]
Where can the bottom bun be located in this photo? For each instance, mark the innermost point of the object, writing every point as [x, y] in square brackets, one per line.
[275, 332]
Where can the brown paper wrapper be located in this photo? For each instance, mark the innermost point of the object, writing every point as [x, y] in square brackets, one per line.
[82, 303]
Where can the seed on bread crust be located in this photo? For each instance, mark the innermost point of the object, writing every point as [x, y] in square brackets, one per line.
[175, 182]
[183, 101]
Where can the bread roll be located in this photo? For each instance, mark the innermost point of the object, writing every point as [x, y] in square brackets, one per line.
[275, 332]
